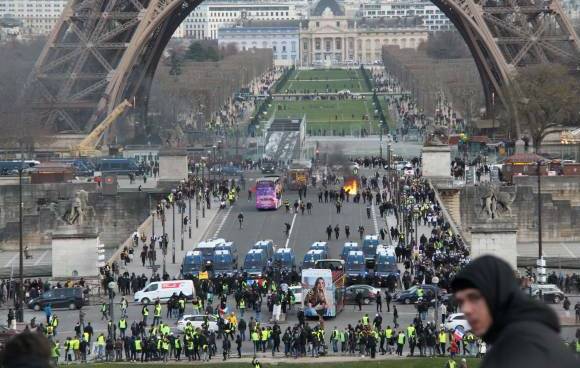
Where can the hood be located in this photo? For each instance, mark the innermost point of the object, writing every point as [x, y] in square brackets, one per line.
[495, 279]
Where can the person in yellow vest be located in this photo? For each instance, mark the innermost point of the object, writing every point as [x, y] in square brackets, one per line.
[55, 352]
[122, 327]
[451, 364]
[165, 348]
[255, 337]
[181, 303]
[400, 343]
[145, 314]
[242, 307]
[156, 313]
[389, 339]
[412, 338]
[101, 346]
[49, 331]
[255, 363]
[67, 350]
[365, 320]
[264, 339]
[54, 323]
[76, 346]
[442, 341]
[137, 349]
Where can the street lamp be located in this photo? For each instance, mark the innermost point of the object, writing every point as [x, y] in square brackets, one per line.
[111, 286]
[20, 306]
[190, 211]
[173, 226]
[541, 262]
[164, 241]
[435, 282]
[182, 210]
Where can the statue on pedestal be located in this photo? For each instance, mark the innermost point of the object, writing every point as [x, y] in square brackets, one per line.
[436, 137]
[494, 203]
[79, 212]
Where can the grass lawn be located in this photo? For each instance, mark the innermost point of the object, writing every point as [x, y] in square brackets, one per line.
[333, 116]
[392, 363]
[321, 74]
[325, 80]
[325, 86]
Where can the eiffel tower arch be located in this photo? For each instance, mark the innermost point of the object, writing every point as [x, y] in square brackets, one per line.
[103, 51]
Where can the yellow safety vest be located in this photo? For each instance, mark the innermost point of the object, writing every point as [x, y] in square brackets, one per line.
[123, 324]
[242, 304]
[145, 311]
[101, 340]
[158, 310]
[365, 320]
[451, 363]
[411, 331]
[56, 350]
[138, 345]
[86, 336]
[388, 333]
[255, 336]
[401, 339]
[442, 337]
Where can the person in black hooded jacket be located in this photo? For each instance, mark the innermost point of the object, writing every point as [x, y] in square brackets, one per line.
[522, 332]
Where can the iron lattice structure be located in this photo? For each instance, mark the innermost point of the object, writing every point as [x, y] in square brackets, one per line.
[103, 51]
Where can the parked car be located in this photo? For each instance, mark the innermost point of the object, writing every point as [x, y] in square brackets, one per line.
[457, 320]
[71, 298]
[411, 295]
[369, 293]
[196, 321]
[550, 293]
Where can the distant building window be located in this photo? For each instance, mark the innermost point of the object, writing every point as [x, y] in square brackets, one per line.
[338, 24]
[317, 24]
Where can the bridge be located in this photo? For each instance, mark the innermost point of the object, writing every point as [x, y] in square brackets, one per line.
[102, 52]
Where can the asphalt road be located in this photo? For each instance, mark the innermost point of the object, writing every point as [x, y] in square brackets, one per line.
[260, 225]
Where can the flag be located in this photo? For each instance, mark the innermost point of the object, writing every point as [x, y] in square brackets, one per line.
[458, 334]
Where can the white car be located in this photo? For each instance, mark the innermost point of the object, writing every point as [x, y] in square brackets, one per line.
[457, 320]
[196, 321]
[297, 291]
[408, 170]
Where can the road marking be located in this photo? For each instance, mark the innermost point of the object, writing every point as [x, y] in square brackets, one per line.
[290, 232]
[568, 250]
[221, 225]
[11, 260]
[373, 213]
[41, 257]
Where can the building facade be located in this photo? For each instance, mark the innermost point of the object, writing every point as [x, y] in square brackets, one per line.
[283, 37]
[37, 16]
[206, 20]
[433, 18]
[330, 36]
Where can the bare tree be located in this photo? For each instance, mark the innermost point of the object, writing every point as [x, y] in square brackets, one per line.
[543, 98]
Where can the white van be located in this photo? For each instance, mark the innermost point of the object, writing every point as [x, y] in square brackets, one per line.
[163, 290]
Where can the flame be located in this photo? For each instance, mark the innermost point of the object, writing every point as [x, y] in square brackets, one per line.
[351, 185]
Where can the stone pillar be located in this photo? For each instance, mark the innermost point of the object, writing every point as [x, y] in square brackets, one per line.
[497, 237]
[436, 161]
[172, 165]
[75, 252]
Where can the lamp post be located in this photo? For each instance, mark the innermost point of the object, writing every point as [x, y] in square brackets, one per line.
[435, 282]
[20, 306]
[164, 242]
[190, 213]
[173, 233]
[541, 262]
[182, 210]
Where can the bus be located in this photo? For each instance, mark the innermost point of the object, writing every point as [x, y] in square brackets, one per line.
[119, 166]
[331, 284]
[268, 193]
